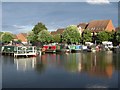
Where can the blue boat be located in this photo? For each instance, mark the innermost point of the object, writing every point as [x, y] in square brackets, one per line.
[76, 48]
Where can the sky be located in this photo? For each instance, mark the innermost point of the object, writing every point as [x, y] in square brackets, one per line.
[97, 1]
[20, 17]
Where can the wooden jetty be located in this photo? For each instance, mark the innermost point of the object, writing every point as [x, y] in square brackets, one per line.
[20, 51]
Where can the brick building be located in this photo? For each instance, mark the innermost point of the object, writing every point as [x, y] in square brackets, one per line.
[22, 37]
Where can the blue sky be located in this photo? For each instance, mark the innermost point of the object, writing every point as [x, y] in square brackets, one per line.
[22, 16]
[59, 0]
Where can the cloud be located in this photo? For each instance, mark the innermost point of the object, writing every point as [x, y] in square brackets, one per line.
[21, 28]
[98, 1]
[52, 30]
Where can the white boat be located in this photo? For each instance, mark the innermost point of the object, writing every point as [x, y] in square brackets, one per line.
[93, 50]
[84, 48]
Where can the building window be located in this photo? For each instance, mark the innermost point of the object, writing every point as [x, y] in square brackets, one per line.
[94, 28]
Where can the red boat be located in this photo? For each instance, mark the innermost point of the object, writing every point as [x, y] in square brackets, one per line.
[50, 48]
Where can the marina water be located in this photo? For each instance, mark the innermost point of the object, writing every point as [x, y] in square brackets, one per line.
[70, 70]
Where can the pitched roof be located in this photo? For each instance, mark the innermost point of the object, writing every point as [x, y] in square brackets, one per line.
[22, 37]
[117, 28]
[53, 32]
[24, 34]
[59, 31]
[98, 25]
[82, 25]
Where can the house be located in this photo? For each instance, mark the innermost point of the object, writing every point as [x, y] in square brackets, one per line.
[22, 37]
[94, 26]
[100, 25]
[117, 28]
[59, 31]
[53, 33]
[82, 27]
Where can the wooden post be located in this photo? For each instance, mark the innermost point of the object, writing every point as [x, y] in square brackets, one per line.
[17, 64]
[40, 53]
[25, 50]
[17, 50]
[33, 63]
[33, 49]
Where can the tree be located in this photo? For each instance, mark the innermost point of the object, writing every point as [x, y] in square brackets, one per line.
[31, 36]
[71, 34]
[103, 36]
[86, 36]
[1, 34]
[38, 28]
[7, 37]
[118, 36]
[111, 36]
[44, 36]
[19, 41]
[57, 38]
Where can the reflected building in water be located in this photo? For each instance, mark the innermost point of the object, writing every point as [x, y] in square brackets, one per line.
[24, 64]
[95, 64]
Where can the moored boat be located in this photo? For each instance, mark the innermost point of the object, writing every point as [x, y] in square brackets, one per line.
[62, 49]
[76, 48]
[49, 48]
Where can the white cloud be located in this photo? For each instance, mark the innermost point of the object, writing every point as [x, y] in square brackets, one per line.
[19, 27]
[98, 1]
[22, 29]
[51, 30]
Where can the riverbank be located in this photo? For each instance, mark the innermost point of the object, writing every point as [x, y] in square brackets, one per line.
[16, 51]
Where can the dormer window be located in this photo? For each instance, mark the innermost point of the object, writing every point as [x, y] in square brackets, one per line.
[94, 28]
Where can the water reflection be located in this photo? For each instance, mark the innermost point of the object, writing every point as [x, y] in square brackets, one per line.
[98, 64]
[24, 64]
[101, 64]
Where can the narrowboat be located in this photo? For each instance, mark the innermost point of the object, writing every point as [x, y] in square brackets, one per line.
[50, 48]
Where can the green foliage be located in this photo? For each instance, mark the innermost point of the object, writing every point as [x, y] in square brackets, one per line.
[111, 35]
[19, 41]
[1, 34]
[31, 36]
[103, 36]
[118, 36]
[71, 34]
[7, 37]
[87, 37]
[57, 38]
[39, 27]
[44, 36]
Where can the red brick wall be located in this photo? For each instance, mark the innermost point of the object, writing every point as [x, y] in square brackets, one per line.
[21, 37]
[110, 26]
